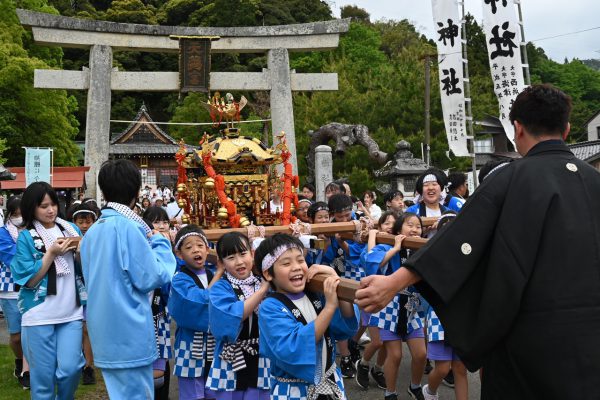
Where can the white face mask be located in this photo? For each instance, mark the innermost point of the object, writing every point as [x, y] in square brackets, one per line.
[17, 221]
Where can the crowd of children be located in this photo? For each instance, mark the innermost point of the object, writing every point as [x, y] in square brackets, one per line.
[246, 325]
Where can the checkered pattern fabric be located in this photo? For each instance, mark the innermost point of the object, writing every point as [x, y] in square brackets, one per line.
[435, 330]
[186, 365]
[299, 390]
[264, 373]
[415, 322]
[6, 281]
[163, 336]
[352, 271]
[388, 317]
[222, 378]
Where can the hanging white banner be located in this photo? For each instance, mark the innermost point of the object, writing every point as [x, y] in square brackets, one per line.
[503, 37]
[38, 165]
[451, 73]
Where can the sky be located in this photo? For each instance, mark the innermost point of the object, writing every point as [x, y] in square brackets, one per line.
[542, 18]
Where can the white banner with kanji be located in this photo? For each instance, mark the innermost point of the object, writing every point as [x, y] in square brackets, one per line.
[38, 165]
[503, 38]
[450, 61]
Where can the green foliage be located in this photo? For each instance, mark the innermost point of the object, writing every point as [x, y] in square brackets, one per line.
[356, 13]
[380, 71]
[3, 148]
[130, 11]
[190, 110]
[31, 117]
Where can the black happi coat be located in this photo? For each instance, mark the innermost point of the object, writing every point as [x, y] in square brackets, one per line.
[515, 278]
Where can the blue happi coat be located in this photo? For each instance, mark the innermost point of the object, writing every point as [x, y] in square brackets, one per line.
[389, 316]
[121, 266]
[291, 347]
[226, 312]
[188, 304]
[351, 268]
[8, 248]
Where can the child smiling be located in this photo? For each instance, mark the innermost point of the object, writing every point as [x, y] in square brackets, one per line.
[298, 329]
[237, 372]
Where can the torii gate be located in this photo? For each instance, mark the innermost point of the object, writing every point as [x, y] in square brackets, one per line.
[103, 37]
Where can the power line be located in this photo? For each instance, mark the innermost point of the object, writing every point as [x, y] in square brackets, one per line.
[187, 123]
[565, 34]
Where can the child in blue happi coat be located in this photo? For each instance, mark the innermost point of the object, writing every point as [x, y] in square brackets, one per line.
[400, 320]
[299, 328]
[9, 290]
[385, 224]
[318, 213]
[237, 372]
[188, 304]
[344, 257]
[157, 218]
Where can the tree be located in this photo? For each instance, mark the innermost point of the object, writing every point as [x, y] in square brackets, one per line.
[31, 117]
[130, 11]
[356, 13]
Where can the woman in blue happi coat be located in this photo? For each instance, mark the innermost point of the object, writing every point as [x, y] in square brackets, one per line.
[47, 267]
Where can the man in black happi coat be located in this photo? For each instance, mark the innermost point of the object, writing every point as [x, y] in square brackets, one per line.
[515, 279]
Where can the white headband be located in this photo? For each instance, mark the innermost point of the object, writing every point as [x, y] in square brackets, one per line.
[270, 259]
[429, 178]
[187, 235]
[84, 212]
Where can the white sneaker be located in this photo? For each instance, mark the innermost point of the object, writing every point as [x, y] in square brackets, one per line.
[427, 395]
[364, 339]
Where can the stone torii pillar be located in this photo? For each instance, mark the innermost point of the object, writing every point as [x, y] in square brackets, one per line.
[282, 108]
[103, 38]
[97, 128]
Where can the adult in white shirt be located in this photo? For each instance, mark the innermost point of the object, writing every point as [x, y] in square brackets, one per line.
[173, 210]
[374, 210]
[50, 300]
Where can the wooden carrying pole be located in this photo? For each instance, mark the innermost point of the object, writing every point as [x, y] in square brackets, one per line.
[412, 243]
[345, 290]
[315, 229]
[347, 287]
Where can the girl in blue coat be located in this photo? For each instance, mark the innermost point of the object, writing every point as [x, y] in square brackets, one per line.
[237, 371]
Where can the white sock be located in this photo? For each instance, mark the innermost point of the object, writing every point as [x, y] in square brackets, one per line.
[364, 362]
[414, 386]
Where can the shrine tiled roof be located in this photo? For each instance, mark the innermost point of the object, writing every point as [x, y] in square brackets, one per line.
[586, 151]
[143, 117]
[145, 148]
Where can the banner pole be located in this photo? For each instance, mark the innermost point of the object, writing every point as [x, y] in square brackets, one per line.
[468, 98]
[524, 57]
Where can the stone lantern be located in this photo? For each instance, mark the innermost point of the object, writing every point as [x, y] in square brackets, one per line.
[403, 171]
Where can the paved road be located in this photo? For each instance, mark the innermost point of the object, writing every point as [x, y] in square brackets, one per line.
[353, 391]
